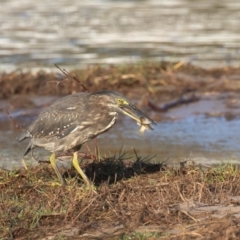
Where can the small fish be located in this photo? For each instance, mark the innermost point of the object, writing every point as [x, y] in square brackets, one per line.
[145, 124]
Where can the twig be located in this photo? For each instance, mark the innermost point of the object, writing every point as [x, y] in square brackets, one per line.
[180, 194]
[194, 219]
[15, 123]
[173, 103]
[11, 231]
[80, 213]
[67, 74]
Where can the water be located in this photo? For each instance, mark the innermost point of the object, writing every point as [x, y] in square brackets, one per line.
[75, 33]
[183, 133]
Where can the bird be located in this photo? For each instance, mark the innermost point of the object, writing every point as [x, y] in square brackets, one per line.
[75, 119]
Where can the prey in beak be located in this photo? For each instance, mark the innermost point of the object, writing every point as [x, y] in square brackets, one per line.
[141, 118]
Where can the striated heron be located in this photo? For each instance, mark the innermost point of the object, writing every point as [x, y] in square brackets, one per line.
[75, 119]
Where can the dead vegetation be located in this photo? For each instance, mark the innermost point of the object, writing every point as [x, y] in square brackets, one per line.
[159, 80]
[132, 200]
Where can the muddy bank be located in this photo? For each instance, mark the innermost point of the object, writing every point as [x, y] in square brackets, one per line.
[131, 201]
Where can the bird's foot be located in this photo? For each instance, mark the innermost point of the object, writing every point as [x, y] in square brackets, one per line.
[54, 165]
[80, 171]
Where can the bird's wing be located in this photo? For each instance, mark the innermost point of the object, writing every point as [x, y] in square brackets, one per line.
[53, 123]
[61, 118]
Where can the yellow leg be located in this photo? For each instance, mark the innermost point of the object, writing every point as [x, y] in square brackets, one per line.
[24, 164]
[54, 165]
[79, 170]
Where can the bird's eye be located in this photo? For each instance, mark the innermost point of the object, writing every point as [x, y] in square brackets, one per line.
[121, 101]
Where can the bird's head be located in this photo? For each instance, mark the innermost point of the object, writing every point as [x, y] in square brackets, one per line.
[121, 104]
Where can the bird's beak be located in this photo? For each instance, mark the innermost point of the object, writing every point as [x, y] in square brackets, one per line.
[140, 117]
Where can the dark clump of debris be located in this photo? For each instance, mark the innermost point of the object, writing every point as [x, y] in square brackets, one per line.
[131, 200]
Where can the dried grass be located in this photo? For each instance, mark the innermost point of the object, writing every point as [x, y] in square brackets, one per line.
[145, 201]
[150, 78]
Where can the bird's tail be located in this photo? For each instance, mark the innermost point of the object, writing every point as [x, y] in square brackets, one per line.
[22, 136]
[28, 149]
[30, 146]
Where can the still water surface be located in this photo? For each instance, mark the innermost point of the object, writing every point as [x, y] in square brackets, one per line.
[35, 34]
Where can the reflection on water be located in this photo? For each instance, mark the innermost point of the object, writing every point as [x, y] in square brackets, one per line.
[75, 33]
